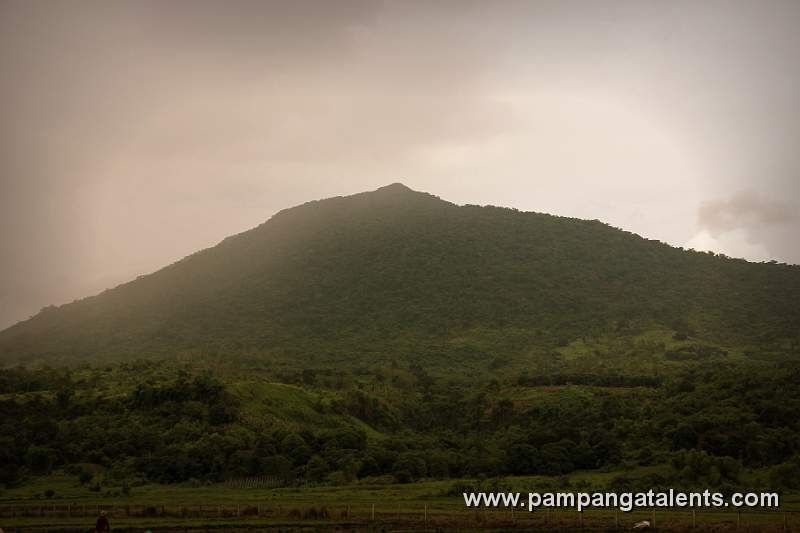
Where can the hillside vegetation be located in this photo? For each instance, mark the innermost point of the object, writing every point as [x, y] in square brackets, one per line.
[112, 430]
[397, 273]
[391, 337]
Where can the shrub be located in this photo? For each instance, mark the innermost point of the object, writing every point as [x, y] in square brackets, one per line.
[84, 476]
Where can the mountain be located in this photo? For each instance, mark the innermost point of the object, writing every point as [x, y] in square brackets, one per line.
[398, 273]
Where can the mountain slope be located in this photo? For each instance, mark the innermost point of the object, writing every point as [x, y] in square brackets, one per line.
[395, 271]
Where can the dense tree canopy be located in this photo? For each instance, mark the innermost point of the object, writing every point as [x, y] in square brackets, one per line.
[394, 336]
[707, 424]
[383, 273]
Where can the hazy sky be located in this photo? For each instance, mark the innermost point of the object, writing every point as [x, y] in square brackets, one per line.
[134, 133]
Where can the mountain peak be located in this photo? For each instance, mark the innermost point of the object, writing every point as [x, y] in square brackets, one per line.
[396, 190]
[395, 187]
[399, 193]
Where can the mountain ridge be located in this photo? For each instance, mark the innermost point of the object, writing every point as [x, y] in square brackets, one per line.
[392, 269]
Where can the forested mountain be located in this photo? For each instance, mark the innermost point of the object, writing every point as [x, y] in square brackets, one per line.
[395, 272]
[392, 336]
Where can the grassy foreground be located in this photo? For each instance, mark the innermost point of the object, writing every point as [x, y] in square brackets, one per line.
[425, 505]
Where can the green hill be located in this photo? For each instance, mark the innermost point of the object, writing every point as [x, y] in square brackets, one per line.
[390, 337]
[397, 273]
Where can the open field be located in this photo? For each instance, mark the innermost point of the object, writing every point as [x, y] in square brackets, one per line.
[426, 505]
[385, 516]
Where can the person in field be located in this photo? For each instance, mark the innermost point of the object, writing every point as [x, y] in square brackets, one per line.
[102, 523]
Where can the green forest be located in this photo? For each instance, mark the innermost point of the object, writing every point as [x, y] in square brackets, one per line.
[391, 337]
[718, 425]
[395, 273]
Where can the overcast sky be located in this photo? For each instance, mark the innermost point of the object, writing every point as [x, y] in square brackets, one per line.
[135, 133]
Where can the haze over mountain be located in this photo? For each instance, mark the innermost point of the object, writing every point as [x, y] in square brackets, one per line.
[396, 272]
[116, 154]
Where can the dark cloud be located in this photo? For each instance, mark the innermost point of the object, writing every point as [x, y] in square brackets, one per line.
[746, 209]
[756, 219]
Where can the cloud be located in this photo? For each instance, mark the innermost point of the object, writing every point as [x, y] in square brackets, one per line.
[749, 225]
[745, 209]
[736, 243]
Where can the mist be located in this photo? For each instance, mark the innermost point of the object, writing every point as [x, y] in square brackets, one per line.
[135, 133]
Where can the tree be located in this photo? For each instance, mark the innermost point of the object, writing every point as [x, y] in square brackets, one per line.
[295, 447]
[412, 462]
[279, 466]
[317, 468]
[39, 459]
[685, 437]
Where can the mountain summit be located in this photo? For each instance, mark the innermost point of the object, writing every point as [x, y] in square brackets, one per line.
[395, 273]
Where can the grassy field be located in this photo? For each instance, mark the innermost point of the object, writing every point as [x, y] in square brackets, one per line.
[436, 519]
[425, 505]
